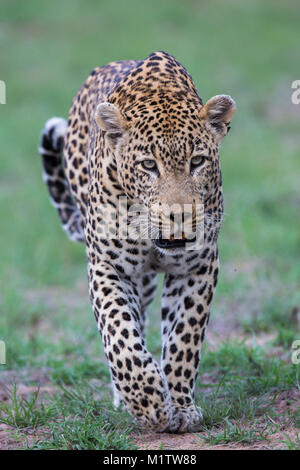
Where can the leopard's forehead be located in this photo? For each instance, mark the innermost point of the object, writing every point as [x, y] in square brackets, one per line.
[159, 84]
[162, 104]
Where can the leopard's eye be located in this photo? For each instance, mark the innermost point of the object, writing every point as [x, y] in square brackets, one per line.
[149, 165]
[197, 161]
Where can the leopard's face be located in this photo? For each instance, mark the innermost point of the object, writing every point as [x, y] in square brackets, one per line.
[169, 161]
[165, 144]
[174, 177]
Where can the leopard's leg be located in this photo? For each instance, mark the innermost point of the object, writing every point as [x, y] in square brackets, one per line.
[135, 374]
[149, 284]
[185, 313]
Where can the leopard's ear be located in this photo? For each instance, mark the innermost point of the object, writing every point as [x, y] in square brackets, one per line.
[218, 112]
[110, 120]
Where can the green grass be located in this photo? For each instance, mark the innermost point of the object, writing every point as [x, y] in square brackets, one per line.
[238, 399]
[25, 413]
[70, 420]
[249, 50]
[248, 383]
[240, 405]
[232, 433]
[86, 423]
[292, 444]
[89, 433]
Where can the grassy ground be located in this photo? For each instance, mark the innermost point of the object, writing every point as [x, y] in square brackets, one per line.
[248, 386]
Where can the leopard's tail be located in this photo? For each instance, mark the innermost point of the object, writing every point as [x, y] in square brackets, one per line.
[51, 150]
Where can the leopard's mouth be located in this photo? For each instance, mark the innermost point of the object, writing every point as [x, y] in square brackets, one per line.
[166, 243]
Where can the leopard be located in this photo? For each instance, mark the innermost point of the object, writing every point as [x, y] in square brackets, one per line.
[138, 132]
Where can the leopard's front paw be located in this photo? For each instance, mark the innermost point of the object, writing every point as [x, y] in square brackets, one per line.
[185, 420]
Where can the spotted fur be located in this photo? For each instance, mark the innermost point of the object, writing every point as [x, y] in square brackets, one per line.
[126, 113]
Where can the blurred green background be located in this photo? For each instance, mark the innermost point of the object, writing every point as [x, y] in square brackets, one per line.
[248, 49]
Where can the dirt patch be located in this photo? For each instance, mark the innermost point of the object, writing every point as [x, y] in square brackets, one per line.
[12, 439]
[275, 430]
[26, 381]
[164, 441]
[57, 297]
[23, 391]
[287, 401]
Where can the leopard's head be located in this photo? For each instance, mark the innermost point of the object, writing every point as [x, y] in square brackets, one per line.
[166, 147]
